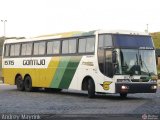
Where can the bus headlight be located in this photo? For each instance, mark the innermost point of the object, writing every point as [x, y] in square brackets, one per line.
[123, 80]
[154, 87]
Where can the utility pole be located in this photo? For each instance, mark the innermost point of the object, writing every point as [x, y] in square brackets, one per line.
[147, 28]
[4, 28]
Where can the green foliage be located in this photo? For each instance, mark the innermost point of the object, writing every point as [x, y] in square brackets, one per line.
[1, 44]
[156, 39]
[1, 41]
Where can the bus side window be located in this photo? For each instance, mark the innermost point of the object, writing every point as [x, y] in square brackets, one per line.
[6, 54]
[29, 49]
[69, 46]
[15, 50]
[39, 48]
[105, 41]
[86, 45]
[101, 41]
[12, 50]
[82, 45]
[65, 47]
[72, 46]
[90, 44]
[26, 49]
[53, 47]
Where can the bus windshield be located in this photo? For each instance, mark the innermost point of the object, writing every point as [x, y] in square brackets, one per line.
[137, 62]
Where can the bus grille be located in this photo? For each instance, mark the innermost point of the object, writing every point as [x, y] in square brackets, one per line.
[139, 80]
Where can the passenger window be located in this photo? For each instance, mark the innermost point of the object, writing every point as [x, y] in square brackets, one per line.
[15, 50]
[101, 41]
[72, 46]
[39, 48]
[29, 49]
[6, 51]
[105, 41]
[36, 48]
[86, 45]
[12, 50]
[82, 46]
[26, 49]
[53, 47]
[65, 46]
[69, 46]
[90, 45]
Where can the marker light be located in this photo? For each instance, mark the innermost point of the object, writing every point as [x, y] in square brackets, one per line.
[153, 81]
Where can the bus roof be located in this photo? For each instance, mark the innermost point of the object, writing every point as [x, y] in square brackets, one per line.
[75, 34]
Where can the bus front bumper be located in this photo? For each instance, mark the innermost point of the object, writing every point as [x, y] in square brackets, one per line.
[136, 87]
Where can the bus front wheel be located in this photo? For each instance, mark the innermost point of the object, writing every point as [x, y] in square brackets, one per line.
[91, 88]
[28, 84]
[20, 83]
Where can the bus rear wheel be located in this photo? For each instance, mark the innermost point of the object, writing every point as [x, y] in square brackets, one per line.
[28, 84]
[20, 83]
[91, 88]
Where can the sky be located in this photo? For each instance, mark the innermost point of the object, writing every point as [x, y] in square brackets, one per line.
[29, 18]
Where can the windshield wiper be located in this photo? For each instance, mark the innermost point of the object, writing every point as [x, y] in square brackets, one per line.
[142, 62]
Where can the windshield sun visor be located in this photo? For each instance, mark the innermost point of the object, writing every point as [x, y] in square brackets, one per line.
[133, 41]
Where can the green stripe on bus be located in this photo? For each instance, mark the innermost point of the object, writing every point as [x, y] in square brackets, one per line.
[59, 72]
[69, 72]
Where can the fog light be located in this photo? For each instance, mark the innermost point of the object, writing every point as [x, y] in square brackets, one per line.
[154, 87]
[124, 87]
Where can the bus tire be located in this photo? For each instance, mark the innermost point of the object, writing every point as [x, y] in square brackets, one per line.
[123, 95]
[91, 88]
[28, 84]
[20, 83]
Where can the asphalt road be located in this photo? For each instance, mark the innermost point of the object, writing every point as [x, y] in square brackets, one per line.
[74, 103]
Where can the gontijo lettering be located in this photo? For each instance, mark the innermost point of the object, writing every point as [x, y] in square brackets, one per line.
[34, 62]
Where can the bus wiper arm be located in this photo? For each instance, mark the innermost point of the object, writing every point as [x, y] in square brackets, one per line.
[136, 59]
